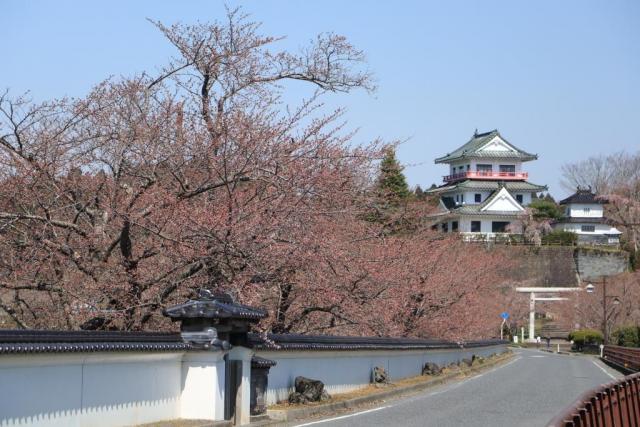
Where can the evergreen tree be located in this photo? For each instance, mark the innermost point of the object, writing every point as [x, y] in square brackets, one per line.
[419, 192]
[544, 208]
[392, 183]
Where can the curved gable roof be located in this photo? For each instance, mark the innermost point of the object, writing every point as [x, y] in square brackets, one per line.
[474, 149]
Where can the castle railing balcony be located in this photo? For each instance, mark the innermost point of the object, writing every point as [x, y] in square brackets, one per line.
[502, 176]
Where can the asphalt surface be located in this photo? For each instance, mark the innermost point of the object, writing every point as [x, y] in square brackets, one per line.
[527, 391]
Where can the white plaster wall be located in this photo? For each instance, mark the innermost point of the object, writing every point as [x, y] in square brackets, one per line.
[485, 223]
[469, 196]
[577, 210]
[526, 197]
[343, 371]
[502, 202]
[203, 381]
[577, 228]
[457, 167]
[98, 389]
[495, 164]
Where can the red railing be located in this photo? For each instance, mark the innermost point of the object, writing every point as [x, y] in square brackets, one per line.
[613, 404]
[486, 175]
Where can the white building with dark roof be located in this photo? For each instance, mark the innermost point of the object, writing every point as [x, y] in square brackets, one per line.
[584, 216]
[486, 188]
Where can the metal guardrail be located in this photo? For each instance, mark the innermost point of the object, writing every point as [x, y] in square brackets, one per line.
[623, 357]
[614, 404]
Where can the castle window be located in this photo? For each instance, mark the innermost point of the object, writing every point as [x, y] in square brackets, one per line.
[587, 211]
[475, 226]
[454, 226]
[588, 228]
[499, 226]
[508, 168]
[519, 198]
[484, 168]
[478, 198]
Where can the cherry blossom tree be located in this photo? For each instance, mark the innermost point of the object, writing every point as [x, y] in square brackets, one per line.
[117, 204]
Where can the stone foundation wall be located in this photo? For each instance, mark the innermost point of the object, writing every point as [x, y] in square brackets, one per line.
[593, 263]
[561, 265]
[541, 266]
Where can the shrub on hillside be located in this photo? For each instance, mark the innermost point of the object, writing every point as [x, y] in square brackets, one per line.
[585, 338]
[627, 336]
[559, 237]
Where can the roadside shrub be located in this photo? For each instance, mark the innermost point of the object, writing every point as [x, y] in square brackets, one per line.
[585, 338]
[627, 336]
[559, 237]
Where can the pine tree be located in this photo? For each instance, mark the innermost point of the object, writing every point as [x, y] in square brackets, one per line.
[392, 183]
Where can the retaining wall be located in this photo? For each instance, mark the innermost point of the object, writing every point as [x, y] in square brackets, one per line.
[592, 263]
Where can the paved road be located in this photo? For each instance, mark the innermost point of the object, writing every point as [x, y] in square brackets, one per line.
[528, 391]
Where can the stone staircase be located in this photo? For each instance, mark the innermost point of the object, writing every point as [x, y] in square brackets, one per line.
[558, 334]
[553, 331]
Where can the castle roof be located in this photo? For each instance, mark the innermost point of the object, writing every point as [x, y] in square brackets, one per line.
[487, 207]
[487, 145]
[582, 196]
[474, 184]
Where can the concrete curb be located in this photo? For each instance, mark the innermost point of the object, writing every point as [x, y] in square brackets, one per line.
[279, 416]
[557, 352]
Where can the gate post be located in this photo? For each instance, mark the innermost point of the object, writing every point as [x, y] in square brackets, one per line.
[212, 325]
[243, 393]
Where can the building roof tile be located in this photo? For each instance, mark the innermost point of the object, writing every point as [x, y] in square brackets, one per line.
[472, 149]
[472, 184]
[582, 196]
[213, 306]
[329, 342]
[31, 341]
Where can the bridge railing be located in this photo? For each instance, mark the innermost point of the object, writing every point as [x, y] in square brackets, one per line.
[613, 404]
[625, 358]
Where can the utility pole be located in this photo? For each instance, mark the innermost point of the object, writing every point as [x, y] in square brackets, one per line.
[616, 301]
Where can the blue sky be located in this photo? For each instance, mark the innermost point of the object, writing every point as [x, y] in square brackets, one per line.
[558, 78]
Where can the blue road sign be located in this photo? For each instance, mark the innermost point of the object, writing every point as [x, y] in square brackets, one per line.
[504, 315]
